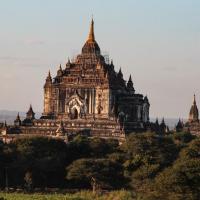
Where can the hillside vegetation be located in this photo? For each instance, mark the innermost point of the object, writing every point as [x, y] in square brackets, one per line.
[146, 167]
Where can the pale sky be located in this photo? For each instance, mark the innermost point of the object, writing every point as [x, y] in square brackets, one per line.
[158, 42]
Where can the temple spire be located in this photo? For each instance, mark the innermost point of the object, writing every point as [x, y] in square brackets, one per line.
[49, 74]
[194, 101]
[130, 78]
[48, 78]
[194, 113]
[18, 117]
[68, 61]
[91, 46]
[30, 114]
[91, 33]
[130, 85]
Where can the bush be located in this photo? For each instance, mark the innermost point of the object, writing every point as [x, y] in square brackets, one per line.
[183, 137]
[108, 174]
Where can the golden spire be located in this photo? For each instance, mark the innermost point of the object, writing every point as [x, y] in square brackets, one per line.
[91, 33]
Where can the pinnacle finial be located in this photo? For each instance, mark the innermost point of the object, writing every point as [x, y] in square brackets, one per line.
[91, 33]
[49, 74]
[157, 119]
[48, 78]
[68, 61]
[120, 72]
[31, 108]
[18, 117]
[130, 78]
[194, 101]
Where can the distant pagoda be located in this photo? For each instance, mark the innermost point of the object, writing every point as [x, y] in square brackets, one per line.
[192, 125]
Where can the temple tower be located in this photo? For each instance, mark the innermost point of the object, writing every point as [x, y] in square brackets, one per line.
[48, 96]
[194, 113]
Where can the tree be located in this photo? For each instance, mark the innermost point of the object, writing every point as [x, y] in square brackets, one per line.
[192, 151]
[45, 157]
[182, 137]
[147, 155]
[148, 148]
[182, 180]
[100, 147]
[106, 173]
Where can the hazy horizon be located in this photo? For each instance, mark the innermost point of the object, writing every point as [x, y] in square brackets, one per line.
[157, 42]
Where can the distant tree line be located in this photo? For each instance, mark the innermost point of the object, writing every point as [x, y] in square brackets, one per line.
[152, 166]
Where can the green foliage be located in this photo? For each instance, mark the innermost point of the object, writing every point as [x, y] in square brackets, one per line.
[152, 166]
[152, 148]
[45, 157]
[182, 179]
[82, 147]
[108, 174]
[117, 157]
[148, 154]
[192, 151]
[182, 137]
[100, 147]
[147, 171]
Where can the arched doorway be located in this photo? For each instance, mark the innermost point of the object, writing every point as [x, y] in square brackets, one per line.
[74, 113]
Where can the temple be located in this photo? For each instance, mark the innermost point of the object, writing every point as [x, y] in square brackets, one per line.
[88, 96]
[193, 125]
[194, 113]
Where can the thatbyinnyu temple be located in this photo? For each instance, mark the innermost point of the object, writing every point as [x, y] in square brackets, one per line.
[87, 96]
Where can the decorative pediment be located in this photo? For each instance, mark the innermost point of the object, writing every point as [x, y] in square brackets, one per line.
[75, 99]
[75, 106]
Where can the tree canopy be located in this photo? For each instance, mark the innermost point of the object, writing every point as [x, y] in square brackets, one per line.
[153, 166]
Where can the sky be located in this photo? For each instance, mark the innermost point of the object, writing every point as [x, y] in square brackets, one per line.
[157, 42]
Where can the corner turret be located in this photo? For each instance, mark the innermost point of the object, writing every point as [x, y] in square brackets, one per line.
[30, 116]
[60, 71]
[48, 79]
[180, 125]
[17, 121]
[120, 75]
[130, 85]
